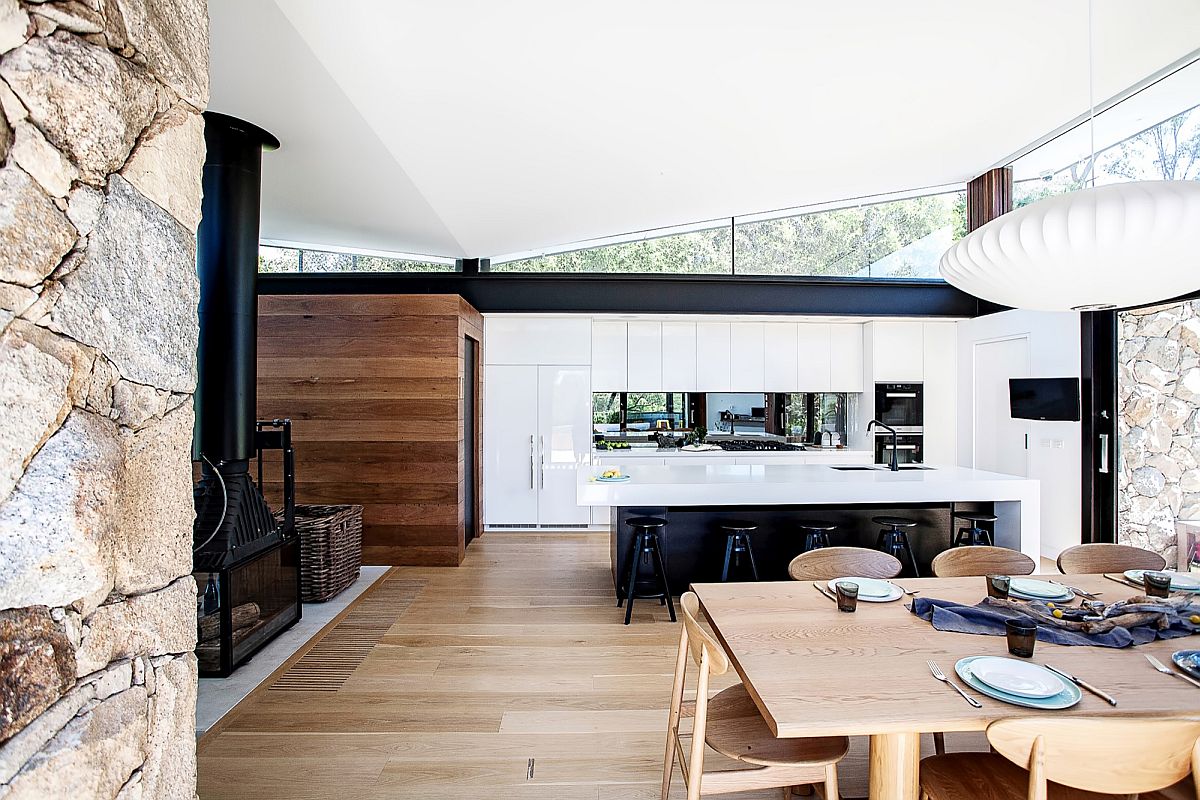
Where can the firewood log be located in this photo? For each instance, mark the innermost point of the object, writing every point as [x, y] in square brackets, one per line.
[244, 616]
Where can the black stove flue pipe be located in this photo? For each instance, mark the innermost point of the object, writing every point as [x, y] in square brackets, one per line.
[227, 263]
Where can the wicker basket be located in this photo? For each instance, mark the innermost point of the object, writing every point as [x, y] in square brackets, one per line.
[330, 549]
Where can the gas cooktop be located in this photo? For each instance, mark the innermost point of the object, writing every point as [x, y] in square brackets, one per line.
[741, 445]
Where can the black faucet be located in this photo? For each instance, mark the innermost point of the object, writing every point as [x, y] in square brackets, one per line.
[894, 467]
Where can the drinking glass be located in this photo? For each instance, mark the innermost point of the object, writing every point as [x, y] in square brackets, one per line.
[847, 595]
[1158, 584]
[1022, 635]
[998, 585]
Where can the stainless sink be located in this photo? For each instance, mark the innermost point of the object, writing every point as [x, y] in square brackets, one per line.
[876, 467]
[853, 468]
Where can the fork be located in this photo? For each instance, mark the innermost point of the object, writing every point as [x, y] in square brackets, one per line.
[1081, 592]
[937, 673]
[1165, 670]
[909, 592]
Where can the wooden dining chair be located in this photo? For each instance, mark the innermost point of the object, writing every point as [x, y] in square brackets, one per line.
[982, 559]
[731, 724]
[1103, 557]
[828, 563]
[1049, 757]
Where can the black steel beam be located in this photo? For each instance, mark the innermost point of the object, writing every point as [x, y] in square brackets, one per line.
[493, 292]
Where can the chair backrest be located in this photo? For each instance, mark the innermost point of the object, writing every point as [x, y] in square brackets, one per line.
[827, 563]
[1102, 557]
[1098, 754]
[700, 640]
[959, 562]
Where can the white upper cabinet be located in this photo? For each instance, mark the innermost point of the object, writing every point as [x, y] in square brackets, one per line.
[712, 357]
[679, 356]
[610, 356]
[845, 357]
[779, 345]
[940, 359]
[645, 357]
[897, 352]
[813, 358]
[747, 364]
[530, 340]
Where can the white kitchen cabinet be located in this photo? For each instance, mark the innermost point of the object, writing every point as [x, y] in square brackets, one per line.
[846, 357]
[814, 357]
[940, 365]
[897, 352]
[645, 357]
[783, 461]
[610, 356]
[780, 358]
[537, 432]
[679, 356]
[712, 357]
[510, 425]
[537, 340]
[747, 364]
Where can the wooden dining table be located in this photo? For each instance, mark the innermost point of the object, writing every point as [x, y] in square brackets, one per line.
[815, 671]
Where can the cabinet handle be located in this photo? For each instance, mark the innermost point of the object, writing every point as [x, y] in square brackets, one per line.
[542, 453]
[532, 485]
[1104, 452]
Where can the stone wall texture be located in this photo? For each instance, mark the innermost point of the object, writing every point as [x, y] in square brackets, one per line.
[1159, 424]
[101, 150]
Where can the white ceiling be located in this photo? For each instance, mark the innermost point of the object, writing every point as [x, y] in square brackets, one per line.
[477, 128]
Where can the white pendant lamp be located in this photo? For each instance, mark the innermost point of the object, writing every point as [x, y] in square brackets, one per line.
[1116, 246]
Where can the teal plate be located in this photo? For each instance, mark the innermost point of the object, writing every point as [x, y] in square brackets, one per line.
[1188, 661]
[621, 479]
[1022, 596]
[1068, 697]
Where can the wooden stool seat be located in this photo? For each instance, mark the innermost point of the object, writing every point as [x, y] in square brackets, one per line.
[736, 729]
[738, 525]
[816, 525]
[646, 522]
[975, 516]
[987, 776]
[895, 522]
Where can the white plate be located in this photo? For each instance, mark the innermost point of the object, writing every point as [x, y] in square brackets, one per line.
[1042, 590]
[1063, 598]
[1180, 581]
[1022, 678]
[867, 587]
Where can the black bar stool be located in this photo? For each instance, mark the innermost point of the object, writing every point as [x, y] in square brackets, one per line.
[737, 544]
[976, 534]
[816, 534]
[894, 541]
[647, 550]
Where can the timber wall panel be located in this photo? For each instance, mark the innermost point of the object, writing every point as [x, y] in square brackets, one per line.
[373, 386]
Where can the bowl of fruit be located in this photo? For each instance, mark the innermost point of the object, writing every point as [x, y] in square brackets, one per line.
[612, 475]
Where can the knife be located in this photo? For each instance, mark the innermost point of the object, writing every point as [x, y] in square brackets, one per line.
[1103, 695]
[823, 591]
[1122, 580]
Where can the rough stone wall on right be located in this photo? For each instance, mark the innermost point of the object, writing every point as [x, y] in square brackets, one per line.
[1158, 393]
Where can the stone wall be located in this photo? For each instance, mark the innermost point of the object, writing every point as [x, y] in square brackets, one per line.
[101, 150]
[1159, 424]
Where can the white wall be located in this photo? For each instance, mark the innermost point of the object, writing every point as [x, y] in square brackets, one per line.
[1054, 353]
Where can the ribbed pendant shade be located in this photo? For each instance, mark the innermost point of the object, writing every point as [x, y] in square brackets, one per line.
[1116, 246]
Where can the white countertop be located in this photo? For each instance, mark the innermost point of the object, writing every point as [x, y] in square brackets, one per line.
[654, 452]
[763, 484]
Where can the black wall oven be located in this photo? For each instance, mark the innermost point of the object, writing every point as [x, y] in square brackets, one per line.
[900, 405]
[909, 449]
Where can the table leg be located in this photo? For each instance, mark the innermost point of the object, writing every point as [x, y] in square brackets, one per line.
[894, 763]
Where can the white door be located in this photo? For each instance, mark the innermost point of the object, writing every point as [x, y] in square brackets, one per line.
[780, 359]
[747, 366]
[813, 357]
[564, 409]
[510, 491]
[645, 357]
[712, 357]
[1000, 441]
[679, 356]
[610, 356]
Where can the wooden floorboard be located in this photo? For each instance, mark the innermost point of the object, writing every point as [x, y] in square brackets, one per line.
[509, 677]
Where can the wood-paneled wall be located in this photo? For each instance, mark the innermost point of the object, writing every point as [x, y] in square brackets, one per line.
[373, 386]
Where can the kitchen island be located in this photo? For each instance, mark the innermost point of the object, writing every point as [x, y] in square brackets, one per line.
[695, 499]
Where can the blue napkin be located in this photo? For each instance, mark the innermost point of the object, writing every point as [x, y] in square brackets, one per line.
[946, 615]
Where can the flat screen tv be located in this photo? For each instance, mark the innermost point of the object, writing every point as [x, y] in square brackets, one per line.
[1044, 398]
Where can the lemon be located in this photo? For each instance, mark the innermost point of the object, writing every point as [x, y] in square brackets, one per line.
[1050, 605]
[1194, 619]
[1058, 613]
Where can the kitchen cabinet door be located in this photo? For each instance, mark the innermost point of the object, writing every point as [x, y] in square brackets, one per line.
[813, 348]
[645, 357]
[610, 356]
[846, 357]
[537, 340]
[941, 392]
[679, 356]
[897, 352]
[510, 413]
[780, 357]
[564, 406]
[712, 357]
[747, 365]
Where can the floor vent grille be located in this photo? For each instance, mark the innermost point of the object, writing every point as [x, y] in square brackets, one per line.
[331, 661]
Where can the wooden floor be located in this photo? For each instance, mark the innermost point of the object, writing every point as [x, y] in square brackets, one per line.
[510, 676]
